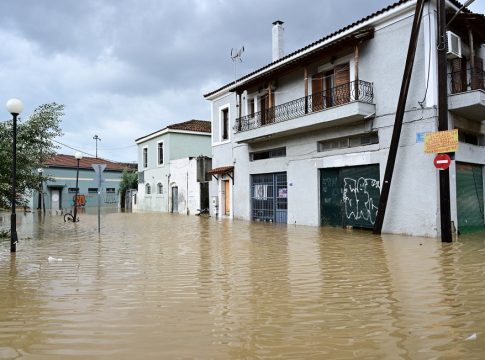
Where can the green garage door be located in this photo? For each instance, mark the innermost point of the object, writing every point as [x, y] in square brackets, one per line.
[469, 197]
[349, 196]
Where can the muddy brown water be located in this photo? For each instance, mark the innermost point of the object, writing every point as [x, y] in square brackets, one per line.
[160, 286]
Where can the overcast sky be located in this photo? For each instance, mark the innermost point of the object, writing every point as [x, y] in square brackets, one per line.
[126, 68]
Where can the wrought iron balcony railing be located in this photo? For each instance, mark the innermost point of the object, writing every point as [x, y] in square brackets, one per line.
[469, 79]
[353, 91]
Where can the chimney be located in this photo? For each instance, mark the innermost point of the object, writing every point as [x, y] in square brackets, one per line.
[278, 29]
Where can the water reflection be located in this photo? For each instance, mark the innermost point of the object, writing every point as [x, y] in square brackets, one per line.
[158, 286]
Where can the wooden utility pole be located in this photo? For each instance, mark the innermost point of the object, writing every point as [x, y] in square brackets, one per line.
[444, 175]
[401, 105]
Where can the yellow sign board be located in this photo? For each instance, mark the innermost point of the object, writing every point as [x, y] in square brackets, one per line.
[441, 142]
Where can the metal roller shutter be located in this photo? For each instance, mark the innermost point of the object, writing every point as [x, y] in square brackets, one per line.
[469, 197]
[350, 196]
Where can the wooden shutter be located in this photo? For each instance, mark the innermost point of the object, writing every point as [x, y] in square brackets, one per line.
[267, 113]
[478, 74]
[317, 92]
[458, 75]
[270, 114]
[342, 84]
[262, 108]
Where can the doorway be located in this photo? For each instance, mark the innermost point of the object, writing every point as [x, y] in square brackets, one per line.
[227, 198]
[269, 197]
[55, 199]
[204, 196]
[175, 199]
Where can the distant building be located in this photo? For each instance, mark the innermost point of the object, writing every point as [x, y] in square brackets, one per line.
[167, 168]
[305, 139]
[59, 191]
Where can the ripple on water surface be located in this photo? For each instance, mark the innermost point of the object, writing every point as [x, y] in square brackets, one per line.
[166, 286]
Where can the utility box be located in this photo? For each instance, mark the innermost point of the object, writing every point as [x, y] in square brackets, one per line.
[215, 204]
[204, 165]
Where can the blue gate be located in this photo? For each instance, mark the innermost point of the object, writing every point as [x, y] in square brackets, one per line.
[269, 197]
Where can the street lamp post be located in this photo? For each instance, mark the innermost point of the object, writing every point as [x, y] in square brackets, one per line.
[14, 107]
[78, 157]
[96, 138]
[41, 190]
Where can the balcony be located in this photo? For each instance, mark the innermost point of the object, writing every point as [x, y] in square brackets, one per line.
[342, 104]
[467, 94]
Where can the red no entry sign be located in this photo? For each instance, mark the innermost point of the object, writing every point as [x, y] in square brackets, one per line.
[442, 161]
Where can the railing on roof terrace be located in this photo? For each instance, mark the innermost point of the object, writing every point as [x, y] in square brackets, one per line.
[357, 90]
[469, 79]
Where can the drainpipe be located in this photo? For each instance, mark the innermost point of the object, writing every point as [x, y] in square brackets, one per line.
[168, 193]
[187, 197]
[305, 77]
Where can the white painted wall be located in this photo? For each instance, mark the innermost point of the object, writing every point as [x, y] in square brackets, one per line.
[413, 206]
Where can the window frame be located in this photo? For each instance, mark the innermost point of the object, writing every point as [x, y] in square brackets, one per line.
[223, 109]
[144, 157]
[158, 153]
[148, 189]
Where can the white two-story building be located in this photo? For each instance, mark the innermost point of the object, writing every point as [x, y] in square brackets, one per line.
[167, 168]
[305, 139]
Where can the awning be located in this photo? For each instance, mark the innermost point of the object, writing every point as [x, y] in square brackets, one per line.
[223, 170]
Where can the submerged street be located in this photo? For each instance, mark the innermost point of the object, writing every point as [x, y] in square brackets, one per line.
[161, 286]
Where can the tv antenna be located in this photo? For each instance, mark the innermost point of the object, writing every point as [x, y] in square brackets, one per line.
[236, 57]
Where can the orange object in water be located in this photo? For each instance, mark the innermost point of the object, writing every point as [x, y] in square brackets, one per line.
[80, 200]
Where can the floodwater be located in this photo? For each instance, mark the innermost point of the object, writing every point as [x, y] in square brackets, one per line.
[161, 286]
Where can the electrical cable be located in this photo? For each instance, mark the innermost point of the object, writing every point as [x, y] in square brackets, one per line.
[421, 103]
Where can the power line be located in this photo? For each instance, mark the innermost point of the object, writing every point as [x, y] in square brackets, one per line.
[73, 148]
[118, 148]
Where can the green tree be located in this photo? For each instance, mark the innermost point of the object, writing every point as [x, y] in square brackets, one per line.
[34, 147]
[129, 180]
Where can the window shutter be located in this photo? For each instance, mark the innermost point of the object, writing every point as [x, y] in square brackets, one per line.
[458, 75]
[478, 74]
[317, 92]
[342, 84]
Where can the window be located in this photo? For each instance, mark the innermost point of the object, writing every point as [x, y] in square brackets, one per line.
[72, 190]
[468, 138]
[141, 177]
[349, 142]
[159, 188]
[267, 154]
[92, 190]
[148, 190]
[110, 190]
[225, 124]
[145, 157]
[251, 108]
[160, 153]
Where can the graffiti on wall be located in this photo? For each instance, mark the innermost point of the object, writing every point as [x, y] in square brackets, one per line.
[361, 198]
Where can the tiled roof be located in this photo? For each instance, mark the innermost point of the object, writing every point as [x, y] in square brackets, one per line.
[201, 126]
[282, 60]
[192, 125]
[69, 161]
[221, 170]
